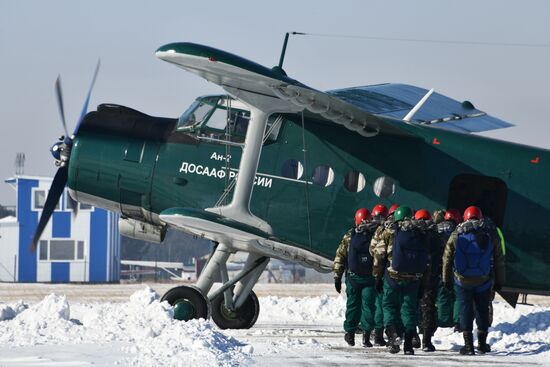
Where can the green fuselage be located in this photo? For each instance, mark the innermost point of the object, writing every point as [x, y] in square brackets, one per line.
[143, 165]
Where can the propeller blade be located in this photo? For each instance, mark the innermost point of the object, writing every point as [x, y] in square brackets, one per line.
[58, 185]
[85, 107]
[60, 103]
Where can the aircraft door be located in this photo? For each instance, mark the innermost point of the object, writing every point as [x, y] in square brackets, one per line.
[488, 193]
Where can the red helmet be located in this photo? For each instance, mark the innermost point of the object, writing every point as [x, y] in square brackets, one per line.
[393, 208]
[472, 212]
[379, 209]
[361, 214]
[452, 214]
[422, 214]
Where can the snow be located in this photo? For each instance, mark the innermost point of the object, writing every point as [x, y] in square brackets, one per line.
[290, 331]
[144, 326]
[8, 219]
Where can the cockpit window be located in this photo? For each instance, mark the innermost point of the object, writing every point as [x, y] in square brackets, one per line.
[223, 118]
[197, 112]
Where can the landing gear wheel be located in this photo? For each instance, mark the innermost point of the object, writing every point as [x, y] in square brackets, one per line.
[189, 303]
[243, 318]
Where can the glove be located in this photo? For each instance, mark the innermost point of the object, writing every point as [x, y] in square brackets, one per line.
[497, 287]
[379, 285]
[338, 284]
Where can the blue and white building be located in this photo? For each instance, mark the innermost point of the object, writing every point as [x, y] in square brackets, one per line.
[81, 248]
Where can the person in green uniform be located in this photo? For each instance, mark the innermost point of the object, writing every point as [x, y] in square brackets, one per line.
[400, 258]
[379, 215]
[353, 259]
[447, 305]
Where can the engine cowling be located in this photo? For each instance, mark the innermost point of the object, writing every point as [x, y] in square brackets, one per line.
[141, 231]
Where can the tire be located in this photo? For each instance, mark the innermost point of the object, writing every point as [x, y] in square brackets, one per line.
[189, 303]
[243, 318]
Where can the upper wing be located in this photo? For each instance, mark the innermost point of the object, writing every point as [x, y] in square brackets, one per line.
[396, 100]
[234, 72]
[367, 110]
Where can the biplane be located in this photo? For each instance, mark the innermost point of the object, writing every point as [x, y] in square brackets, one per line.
[276, 169]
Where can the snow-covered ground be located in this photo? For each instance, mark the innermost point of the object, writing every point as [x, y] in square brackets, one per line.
[291, 330]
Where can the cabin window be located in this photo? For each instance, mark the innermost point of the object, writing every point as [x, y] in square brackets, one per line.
[292, 168]
[383, 187]
[197, 112]
[227, 124]
[354, 181]
[323, 176]
[222, 118]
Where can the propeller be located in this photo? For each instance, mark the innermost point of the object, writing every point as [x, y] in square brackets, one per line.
[61, 151]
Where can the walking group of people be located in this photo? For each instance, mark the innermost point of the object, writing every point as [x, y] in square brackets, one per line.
[405, 270]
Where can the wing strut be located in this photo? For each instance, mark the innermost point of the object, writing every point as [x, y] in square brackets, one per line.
[418, 106]
[261, 107]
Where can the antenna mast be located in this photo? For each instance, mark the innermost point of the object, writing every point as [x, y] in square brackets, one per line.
[283, 51]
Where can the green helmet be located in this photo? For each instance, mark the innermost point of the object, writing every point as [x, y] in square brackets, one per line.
[402, 212]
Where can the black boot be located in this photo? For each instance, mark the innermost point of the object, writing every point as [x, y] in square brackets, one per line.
[427, 345]
[468, 348]
[349, 337]
[482, 345]
[394, 341]
[366, 339]
[408, 345]
[415, 340]
[379, 337]
[457, 328]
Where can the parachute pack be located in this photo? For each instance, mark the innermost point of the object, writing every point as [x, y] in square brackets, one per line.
[359, 257]
[410, 251]
[473, 254]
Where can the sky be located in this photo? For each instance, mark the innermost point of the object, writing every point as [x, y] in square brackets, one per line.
[41, 39]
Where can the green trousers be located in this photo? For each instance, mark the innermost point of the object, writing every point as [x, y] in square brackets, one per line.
[379, 312]
[360, 304]
[401, 294]
[447, 308]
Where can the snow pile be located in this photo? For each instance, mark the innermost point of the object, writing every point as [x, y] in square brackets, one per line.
[9, 312]
[283, 310]
[144, 326]
[523, 330]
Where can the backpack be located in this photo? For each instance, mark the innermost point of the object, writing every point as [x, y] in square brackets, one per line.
[474, 254]
[409, 251]
[359, 257]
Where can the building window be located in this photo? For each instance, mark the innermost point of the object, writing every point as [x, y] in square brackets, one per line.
[39, 199]
[292, 169]
[383, 187]
[323, 176]
[80, 250]
[43, 252]
[354, 181]
[61, 250]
